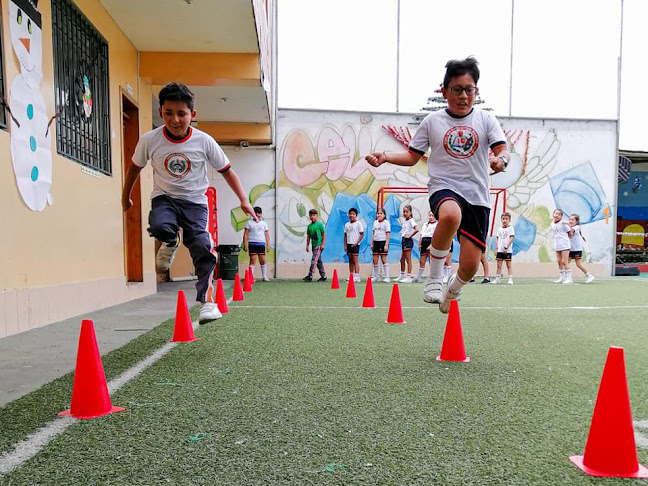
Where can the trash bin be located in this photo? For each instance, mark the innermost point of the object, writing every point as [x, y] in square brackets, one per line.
[227, 261]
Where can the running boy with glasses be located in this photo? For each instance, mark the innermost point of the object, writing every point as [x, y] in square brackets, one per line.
[459, 139]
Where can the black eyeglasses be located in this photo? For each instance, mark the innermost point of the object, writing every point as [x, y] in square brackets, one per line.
[470, 90]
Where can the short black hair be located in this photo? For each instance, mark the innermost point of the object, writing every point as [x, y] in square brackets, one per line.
[177, 92]
[353, 210]
[312, 211]
[257, 209]
[456, 68]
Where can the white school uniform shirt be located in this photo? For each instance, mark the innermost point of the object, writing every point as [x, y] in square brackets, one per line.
[180, 166]
[576, 240]
[428, 229]
[503, 235]
[561, 237]
[353, 231]
[458, 157]
[407, 228]
[256, 231]
[380, 229]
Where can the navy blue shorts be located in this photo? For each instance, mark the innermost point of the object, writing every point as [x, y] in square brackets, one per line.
[504, 256]
[576, 255]
[379, 247]
[474, 219]
[407, 244]
[256, 248]
[425, 244]
[353, 250]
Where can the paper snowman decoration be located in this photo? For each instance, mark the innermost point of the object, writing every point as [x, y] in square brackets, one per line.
[30, 141]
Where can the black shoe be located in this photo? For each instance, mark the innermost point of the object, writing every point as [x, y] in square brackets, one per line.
[486, 280]
[307, 278]
[321, 279]
[472, 280]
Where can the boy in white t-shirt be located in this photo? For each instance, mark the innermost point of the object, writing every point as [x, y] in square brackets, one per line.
[353, 233]
[380, 244]
[256, 238]
[179, 156]
[504, 246]
[459, 139]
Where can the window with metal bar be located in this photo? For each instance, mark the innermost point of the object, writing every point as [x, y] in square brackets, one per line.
[81, 86]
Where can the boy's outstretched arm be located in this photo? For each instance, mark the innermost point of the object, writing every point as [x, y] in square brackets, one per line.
[397, 158]
[131, 176]
[235, 184]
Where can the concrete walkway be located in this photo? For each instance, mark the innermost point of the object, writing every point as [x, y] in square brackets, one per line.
[31, 359]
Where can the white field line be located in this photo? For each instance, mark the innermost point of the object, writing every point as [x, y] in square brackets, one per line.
[640, 430]
[432, 306]
[34, 443]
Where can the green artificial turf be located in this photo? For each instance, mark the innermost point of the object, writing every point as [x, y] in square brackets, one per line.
[299, 385]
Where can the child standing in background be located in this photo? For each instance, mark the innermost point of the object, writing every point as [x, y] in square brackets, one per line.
[424, 244]
[353, 234]
[315, 235]
[576, 250]
[504, 245]
[562, 232]
[380, 244]
[256, 239]
[408, 230]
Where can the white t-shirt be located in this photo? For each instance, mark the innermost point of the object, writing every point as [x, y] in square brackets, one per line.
[256, 231]
[380, 229]
[576, 240]
[561, 237]
[180, 167]
[353, 231]
[428, 229]
[407, 228]
[458, 157]
[503, 235]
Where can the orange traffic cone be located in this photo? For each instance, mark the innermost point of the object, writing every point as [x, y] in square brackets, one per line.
[247, 285]
[452, 348]
[335, 284]
[351, 293]
[395, 315]
[90, 396]
[368, 300]
[610, 450]
[183, 330]
[221, 300]
[251, 275]
[238, 290]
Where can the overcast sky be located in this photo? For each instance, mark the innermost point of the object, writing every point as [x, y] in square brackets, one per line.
[341, 55]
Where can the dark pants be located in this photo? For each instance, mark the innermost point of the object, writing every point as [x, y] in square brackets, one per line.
[167, 216]
[316, 259]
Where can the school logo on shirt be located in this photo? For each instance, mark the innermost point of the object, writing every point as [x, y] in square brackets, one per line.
[461, 142]
[178, 165]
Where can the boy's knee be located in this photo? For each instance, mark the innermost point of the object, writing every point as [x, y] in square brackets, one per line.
[163, 231]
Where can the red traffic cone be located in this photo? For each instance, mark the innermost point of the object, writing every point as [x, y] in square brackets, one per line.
[610, 450]
[335, 284]
[90, 396]
[351, 293]
[221, 300]
[452, 348]
[251, 269]
[183, 330]
[247, 285]
[395, 315]
[368, 299]
[238, 290]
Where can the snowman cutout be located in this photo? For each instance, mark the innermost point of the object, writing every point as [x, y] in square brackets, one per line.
[30, 140]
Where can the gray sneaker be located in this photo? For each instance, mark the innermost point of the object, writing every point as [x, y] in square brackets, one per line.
[444, 306]
[432, 291]
[165, 256]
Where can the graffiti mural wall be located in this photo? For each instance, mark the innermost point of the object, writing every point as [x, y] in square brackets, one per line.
[570, 164]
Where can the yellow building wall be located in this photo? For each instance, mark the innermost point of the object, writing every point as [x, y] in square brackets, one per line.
[69, 258]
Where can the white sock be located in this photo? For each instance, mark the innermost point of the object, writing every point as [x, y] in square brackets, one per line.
[437, 258]
[420, 272]
[447, 271]
[386, 268]
[376, 271]
[402, 275]
[456, 285]
[263, 271]
[568, 275]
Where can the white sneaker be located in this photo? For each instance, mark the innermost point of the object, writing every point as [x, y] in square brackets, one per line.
[416, 279]
[496, 281]
[449, 296]
[208, 312]
[407, 280]
[432, 291]
[399, 278]
[560, 280]
[165, 256]
[357, 279]
[266, 279]
[348, 278]
[387, 280]
[590, 278]
[567, 281]
[510, 281]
